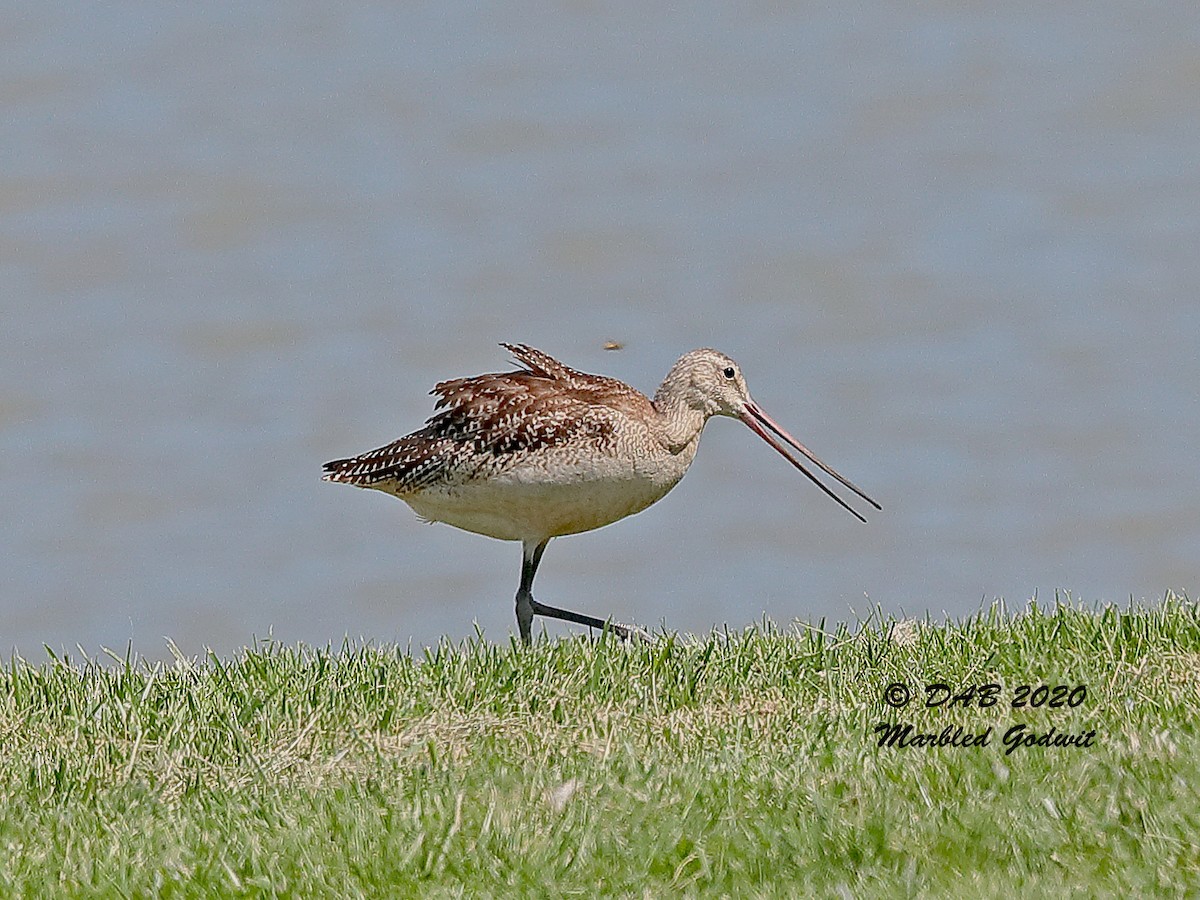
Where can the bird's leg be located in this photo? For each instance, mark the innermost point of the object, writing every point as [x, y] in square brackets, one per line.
[525, 602]
[622, 631]
[527, 607]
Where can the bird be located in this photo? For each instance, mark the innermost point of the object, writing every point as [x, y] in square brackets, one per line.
[546, 451]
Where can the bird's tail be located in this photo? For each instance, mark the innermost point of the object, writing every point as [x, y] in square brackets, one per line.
[341, 470]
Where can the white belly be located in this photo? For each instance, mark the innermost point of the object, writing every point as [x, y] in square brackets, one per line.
[534, 511]
[515, 508]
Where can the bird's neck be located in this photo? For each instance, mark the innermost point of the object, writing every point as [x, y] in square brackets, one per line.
[679, 424]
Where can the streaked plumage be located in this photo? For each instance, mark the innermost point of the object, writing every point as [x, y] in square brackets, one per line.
[547, 450]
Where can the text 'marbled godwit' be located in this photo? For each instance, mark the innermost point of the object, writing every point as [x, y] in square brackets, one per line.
[547, 451]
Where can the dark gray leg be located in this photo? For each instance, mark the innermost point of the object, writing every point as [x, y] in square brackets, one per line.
[525, 602]
[527, 607]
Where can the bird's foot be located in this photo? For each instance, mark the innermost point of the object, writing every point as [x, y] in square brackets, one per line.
[625, 632]
[629, 632]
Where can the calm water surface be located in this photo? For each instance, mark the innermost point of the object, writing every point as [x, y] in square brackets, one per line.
[953, 246]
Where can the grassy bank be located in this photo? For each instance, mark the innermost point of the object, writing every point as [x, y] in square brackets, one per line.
[744, 763]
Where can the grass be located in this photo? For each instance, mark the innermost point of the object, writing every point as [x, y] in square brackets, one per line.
[739, 763]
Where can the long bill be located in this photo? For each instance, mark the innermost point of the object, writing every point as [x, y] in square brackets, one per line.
[759, 422]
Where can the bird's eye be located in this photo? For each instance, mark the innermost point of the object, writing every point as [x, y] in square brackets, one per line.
[729, 373]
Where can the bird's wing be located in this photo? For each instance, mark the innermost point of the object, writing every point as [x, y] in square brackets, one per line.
[484, 420]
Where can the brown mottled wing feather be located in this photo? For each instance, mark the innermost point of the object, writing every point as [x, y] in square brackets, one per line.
[538, 363]
[412, 462]
[486, 419]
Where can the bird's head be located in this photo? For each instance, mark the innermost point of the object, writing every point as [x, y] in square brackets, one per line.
[711, 384]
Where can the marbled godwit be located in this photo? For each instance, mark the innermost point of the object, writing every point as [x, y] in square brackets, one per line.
[547, 451]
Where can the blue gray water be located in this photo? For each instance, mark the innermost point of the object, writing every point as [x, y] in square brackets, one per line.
[954, 247]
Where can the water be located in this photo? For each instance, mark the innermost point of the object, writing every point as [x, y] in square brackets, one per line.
[953, 247]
